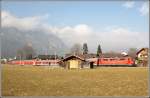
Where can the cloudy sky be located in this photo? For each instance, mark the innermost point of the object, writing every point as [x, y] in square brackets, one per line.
[115, 25]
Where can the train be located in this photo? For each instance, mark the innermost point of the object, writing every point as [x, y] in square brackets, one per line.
[111, 61]
[35, 62]
[115, 61]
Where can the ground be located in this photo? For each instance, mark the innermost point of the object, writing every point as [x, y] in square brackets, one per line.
[45, 81]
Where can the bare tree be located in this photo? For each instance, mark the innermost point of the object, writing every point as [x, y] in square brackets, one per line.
[26, 52]
[132, 52]
[76, 49]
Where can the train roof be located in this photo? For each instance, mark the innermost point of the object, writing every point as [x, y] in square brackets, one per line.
[108, 55]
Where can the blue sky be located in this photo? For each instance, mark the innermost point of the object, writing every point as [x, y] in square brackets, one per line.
[98, 15]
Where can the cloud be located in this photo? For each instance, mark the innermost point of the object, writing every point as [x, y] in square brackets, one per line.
[23, 23]
[122, 38]
[118, 39]
[129, 4]
[144, 9]
[113, 38]
[73, 34]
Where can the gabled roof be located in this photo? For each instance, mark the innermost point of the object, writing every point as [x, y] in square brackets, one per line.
[85, 56]
[141, 50]
[73, 56]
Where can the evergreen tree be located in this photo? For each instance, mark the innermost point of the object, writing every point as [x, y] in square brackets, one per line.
[85, 48]
[99, 51]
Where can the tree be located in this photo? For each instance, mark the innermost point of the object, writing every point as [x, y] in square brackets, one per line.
[76, 49]
[26, 52]
[20, 54]
[85, 48]
[99, 50]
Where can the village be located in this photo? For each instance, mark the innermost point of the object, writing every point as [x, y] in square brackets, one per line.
[86, 60]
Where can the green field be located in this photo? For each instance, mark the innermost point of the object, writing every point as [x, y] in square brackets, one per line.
[45, 81]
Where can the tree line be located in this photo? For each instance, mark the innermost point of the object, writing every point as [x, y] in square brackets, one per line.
[77, 49]
[27, 52]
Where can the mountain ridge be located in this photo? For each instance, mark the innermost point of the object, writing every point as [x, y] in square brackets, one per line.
[42, 42]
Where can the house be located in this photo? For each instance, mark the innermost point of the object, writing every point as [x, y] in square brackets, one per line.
[142, 57]
[74, 61]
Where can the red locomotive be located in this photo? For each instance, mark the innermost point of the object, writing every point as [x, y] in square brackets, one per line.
[122, 61]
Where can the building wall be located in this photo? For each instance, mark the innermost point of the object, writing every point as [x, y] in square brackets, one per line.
[73, 63]
[143, 58]
[143, 54]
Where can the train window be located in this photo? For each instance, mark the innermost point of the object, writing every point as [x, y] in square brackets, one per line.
[122, 59]
[105, 59]
[112, 59]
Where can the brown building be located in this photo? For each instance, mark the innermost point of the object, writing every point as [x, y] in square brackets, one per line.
[74, 61]
[142, 57]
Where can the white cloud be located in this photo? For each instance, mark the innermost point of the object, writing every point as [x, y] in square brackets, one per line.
[23, 23]
[122, 38]
[114, 38]
[73, 34]
[144, 10]
[129, 4]
[117, 38]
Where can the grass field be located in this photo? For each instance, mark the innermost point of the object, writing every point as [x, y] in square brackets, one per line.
[44, 81]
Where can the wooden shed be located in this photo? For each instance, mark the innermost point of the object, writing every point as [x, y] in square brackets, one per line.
[74, 61]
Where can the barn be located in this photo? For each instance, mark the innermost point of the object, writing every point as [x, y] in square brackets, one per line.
[74, 61]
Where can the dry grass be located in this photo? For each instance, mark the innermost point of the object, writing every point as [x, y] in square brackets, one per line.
[43, 81]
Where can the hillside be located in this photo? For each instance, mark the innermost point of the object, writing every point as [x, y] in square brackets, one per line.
[12, 39]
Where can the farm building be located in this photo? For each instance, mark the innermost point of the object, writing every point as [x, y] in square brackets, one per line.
[74, 61]
[142, 57]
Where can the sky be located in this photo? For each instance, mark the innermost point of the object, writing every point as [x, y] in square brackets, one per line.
[115, 25]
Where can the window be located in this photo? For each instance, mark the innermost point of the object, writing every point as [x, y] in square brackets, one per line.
[122, 59]
[112, 59]
[105, 59]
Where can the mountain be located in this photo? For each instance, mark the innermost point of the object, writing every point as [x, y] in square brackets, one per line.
[13, 39]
